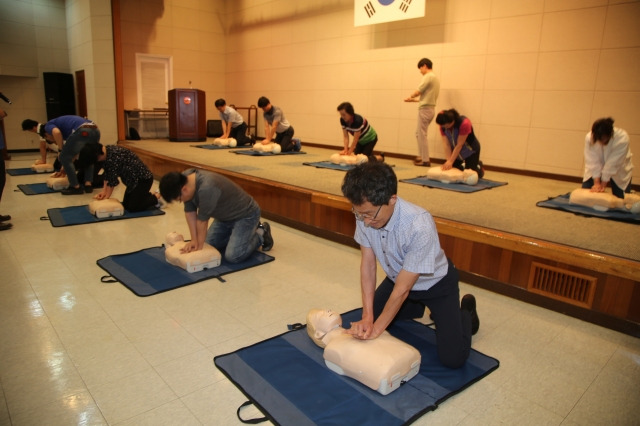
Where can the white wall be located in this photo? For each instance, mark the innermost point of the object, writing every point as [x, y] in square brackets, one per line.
[46, 19]
[531, 75]
[90, 35]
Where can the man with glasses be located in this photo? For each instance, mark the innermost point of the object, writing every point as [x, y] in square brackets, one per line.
[403, 238]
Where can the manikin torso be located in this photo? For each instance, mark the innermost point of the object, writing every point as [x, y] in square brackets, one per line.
[453, 175]
[382, 364]
[603, 201]
[348, 159]
[194, 261]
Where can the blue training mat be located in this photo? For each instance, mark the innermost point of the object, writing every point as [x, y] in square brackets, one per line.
[79, 215]
[35, 189]
[24, 172]
[146, 272]
[561, 202]
[457, 187]
[260, 153]
[212, 146]
[286, 378]
[330, 165]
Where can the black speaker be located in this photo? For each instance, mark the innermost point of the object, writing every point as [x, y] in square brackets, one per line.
[214, 128]
[59, 94]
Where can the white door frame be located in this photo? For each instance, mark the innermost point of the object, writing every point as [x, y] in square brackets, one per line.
[167, 62]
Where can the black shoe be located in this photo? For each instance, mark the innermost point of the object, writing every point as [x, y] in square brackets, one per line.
[468, 303]
[88, 189]
[72, 191]
[4, 218]
[5, 226]
[480, 170]
[297, 145]
[267, 239]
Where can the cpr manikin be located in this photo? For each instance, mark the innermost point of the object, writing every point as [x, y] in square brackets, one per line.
[230, 142]
[382, 364]
[194, 261]
[348, 159]
[57, 183]
[604, 201]
[453, 175]
[269, 147]
[42, 168]
[109, 207]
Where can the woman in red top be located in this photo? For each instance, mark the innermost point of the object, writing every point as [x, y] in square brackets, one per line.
[461, 147]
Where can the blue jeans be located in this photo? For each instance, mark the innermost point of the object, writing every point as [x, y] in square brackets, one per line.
[72, 147]
[236, 239]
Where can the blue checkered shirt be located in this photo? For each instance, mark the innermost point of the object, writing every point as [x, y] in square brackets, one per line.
[408, 241]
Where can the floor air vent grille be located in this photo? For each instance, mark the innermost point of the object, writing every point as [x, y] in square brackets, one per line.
[562, 284]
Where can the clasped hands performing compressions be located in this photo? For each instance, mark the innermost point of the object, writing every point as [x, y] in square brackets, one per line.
[363, 330]
[382, 364]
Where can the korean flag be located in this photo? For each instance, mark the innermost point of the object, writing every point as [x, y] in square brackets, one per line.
[369, 12]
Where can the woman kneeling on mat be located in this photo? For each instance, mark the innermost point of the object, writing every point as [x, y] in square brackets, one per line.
[364, 136]
[121, 163]
[460, 143]
[607, 158]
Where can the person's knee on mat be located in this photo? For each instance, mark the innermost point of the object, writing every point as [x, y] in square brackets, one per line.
[235, 256]
[455, 360]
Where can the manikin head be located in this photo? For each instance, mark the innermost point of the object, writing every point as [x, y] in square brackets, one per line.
[320, 322]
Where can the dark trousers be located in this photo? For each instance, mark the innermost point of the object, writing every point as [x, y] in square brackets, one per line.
[471, 162]
[453, 325]
[366, 150]
[139, 198]
[615, 189]
[239, 133]
[284, 140]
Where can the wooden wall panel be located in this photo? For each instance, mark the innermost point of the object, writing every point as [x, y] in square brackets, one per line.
[616, 298]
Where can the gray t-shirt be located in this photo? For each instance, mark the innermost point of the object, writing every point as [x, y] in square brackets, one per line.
[232, 116]
[219, 198]
[276, 114]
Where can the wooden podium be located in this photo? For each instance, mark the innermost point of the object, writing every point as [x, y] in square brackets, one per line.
[187, 115]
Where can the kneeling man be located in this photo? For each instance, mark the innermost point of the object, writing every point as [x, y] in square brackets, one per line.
[403, 238]
[236, 230]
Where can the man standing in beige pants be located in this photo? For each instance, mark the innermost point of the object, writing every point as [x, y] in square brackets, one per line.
[426, 95]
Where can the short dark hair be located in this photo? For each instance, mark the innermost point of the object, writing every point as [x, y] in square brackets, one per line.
[171, 185]
[372, 181]
[346, 107]
[29, 124]
[602, 128]
[89, 154]
[220, 102]
[263, 101]
[447, 116]
[425, 61]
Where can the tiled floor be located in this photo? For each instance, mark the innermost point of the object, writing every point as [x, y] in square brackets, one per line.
[76, 351]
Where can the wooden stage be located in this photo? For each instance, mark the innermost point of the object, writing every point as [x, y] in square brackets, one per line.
[596, 287]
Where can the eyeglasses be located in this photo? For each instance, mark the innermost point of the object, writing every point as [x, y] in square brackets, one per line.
[361, 217]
